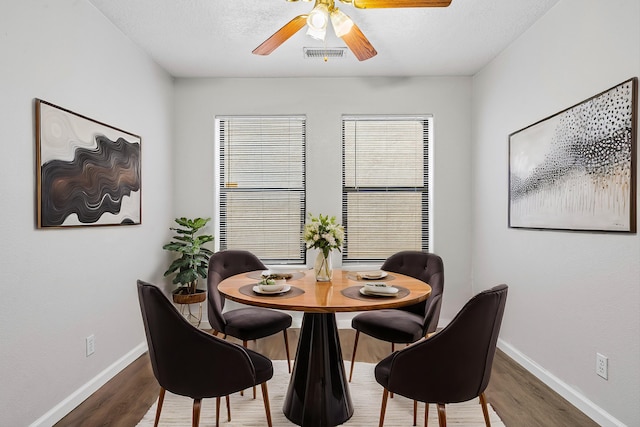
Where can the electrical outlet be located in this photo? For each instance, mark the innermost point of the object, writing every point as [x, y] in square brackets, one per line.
[91, 344]
[602, 365]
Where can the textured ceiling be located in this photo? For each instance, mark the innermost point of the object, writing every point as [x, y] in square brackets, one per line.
[214, 38]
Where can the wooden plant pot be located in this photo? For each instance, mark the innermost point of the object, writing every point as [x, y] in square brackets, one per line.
[196, 298]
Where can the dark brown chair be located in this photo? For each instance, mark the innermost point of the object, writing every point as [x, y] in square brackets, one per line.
[190, 362]
[451, 366]
[407, 324]
[247, 323]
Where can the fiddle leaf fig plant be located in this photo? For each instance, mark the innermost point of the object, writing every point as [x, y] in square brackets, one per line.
[193, 258]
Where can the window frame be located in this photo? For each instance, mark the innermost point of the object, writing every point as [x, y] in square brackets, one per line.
[219, 189]
[426, 188]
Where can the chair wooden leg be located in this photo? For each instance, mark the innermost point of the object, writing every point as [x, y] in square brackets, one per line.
[393, 348]
[286, 349]
[228, 408]
[383, 407]
[353, 356]
[244, 343]
[217, 411]
[426, 413]
[197, 405]
[265, 398]
[159, 407]
[442, 415]
[214, 332]
[485, 411]
[415, 412]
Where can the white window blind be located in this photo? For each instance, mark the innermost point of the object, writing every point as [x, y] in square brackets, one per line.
[385, 198]
[262, 186]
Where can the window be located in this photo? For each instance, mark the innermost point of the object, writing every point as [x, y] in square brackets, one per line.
[385, 186]
[261, 178]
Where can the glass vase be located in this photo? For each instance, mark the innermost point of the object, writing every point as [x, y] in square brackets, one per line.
[323, 267]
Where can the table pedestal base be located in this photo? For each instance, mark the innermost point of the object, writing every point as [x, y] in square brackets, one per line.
[318, 392]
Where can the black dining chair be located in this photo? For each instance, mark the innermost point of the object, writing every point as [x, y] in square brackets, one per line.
[213, 367]
[451, 366]
[248, 323]
[407, 324]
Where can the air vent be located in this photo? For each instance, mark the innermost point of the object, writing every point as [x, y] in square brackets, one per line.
[322, 53]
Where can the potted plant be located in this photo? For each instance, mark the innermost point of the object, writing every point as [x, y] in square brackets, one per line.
[193, 259]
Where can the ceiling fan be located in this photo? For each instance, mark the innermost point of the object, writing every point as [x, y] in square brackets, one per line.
[324, 10]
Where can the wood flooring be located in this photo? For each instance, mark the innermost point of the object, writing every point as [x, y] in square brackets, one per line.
[520, 399]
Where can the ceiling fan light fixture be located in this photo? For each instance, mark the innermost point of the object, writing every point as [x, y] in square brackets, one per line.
[317, 21]
[319, 17]
[316, 34]
[342, 24]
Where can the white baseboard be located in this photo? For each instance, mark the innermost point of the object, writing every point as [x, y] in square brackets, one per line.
[58, 412]
[578, 400]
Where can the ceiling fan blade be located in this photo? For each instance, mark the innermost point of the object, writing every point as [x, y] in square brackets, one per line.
[281, 36]
[379, 4]
[359, 45]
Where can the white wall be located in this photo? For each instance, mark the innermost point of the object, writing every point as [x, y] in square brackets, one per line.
[60, 285]
[324, 100]
[572, 294]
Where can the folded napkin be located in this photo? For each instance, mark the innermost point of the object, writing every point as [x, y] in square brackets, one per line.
[379, 288]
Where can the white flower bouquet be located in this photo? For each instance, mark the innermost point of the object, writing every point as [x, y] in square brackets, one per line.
[324, 233]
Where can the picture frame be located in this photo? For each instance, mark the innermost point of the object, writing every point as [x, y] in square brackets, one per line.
[575, 170]
[88, 172]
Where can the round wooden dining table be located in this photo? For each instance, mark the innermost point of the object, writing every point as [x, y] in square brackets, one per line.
[318, 393]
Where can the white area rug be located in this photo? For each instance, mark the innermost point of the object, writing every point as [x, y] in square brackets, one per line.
[366, 395]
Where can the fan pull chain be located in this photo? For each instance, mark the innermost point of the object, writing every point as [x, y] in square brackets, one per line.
[326, 58]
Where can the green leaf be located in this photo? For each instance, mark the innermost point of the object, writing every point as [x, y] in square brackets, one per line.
[183, 221]
[181, 231]
[202, 271]
[176, 265]
[204, 238]
[206, 251]
[187, 276]
[173, 246]
[198, 223]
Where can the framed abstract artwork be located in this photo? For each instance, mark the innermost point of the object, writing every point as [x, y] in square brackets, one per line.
[88, 173]
[576, 170]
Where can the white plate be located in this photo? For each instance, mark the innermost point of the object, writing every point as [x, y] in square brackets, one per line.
[283, 274]
[372, 275]
[390, 293]
[257, 290]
